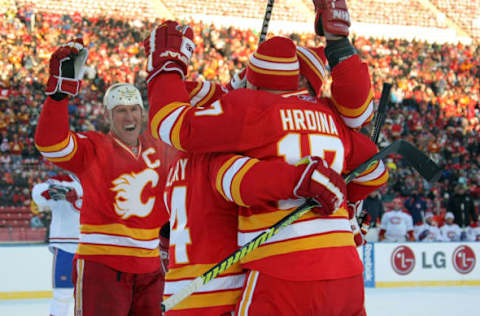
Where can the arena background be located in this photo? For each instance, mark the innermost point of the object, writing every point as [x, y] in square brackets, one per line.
[428, 50]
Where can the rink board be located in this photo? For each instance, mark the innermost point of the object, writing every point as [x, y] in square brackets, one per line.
[421, 264]
[25, 270]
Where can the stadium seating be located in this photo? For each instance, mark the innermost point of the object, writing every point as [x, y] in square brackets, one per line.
[436, 87]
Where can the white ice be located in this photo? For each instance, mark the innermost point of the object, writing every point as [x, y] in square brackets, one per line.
[419, 301]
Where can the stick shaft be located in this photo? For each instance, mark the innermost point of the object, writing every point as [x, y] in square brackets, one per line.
[381, 112]
[266, 21]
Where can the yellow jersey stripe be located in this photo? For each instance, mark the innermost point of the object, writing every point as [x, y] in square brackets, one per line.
[103, 250]
[195, 270]
[331, 240]
[237, 180]
[57, 147]
[353, 112]
[209, 300]
[122, 230]
[266, 220]
[161, 115]
[221, 174]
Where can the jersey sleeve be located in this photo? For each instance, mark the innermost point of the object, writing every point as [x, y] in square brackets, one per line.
[252, 182]
[38, 195]
[56, 142]
[220, 127]
[372, 178]
[203, 93]
[356, 106]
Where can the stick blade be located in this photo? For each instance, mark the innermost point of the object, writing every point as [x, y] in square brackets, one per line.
[425, 166]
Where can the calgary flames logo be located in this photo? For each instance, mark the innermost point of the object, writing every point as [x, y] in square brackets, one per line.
[129, 188]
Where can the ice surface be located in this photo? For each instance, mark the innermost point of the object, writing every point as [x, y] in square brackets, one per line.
[418, 301]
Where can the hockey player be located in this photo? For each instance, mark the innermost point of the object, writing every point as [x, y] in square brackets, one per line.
[450, 231]
[428, 231]
[117, 267]
[203, 192]
[472, 232]
[62, 196]
[396, 225]
[271, 122]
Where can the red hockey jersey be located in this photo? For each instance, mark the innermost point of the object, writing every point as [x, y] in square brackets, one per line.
[264, 125]
[122, 209]
[202, 193]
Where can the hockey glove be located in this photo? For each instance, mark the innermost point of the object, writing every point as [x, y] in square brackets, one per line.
[322, 184]
[239, 80]
[332, 19]
[67, 67]
[71, 196]
[359, 222]
[57, 192]
[169, 48]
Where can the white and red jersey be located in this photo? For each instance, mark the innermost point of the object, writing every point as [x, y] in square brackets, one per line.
[122, 209]
[202, 194]
[426, 232]
[265, 125]
[397, 224]
[473, 232]
[450, 232]
[65, 224]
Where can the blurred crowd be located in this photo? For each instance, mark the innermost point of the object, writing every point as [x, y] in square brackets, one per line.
[435, 99]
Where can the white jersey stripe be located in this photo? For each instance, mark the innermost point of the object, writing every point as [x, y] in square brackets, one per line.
[374, 174]
[61, 153]
[230, 282]
[358, 121]
[164, 130]
[302, 229]
[202, 93]
[230, 174]
[102, 239]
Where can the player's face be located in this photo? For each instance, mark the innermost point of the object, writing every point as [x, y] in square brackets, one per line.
[126, 123]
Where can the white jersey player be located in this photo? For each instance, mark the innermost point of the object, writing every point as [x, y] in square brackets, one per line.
[429, 230]
[396, 225]
[473, 232]
[450, 231]
[62, 195]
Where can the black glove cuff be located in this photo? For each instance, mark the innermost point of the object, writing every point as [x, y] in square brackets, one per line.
[58, 96]
[339, 50]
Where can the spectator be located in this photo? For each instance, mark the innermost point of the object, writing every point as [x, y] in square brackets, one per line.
[429, 230]
[462, 207]
[374, 206]
[450, 231]
[416, 205]
[473, 232]
[397, 224]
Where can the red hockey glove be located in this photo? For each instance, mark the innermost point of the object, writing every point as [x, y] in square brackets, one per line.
[239, 80]
[71, 196]
[169, 48]
[332, 18]
[322, 184]
[67, 67]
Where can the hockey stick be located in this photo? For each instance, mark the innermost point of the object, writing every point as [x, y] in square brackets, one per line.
[381, 112]
[266, 21]
[424, 165]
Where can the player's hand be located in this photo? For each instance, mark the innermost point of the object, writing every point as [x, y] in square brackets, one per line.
[332, 19]
[322, 184]
[58, 192]
[67, 67]
[169, 48]
[71, 196]
[164, 258]
[239, 80]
